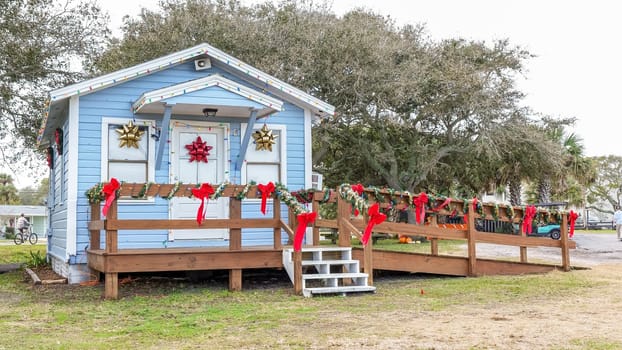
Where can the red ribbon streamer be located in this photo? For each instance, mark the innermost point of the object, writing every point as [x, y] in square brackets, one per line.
[419, 203]
[266, 191]
[358, 188]
[110, 192]
[572, 218]
[303, 220]
[442, 205]
[202, 192]
[530, 212]
[375, 217]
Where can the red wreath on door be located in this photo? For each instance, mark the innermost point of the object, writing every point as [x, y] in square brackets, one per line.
[198, 150]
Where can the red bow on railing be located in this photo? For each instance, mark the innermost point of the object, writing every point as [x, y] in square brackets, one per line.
[375, 218]
[466, 216]
[420, 202]
[358, 188]
[442, 205]
[266, 191]
[303, 220]
[110, 192]
[572, 218]
[530, 212]
[202, 193]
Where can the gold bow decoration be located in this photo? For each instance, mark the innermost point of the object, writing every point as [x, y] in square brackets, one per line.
[129, 135]
[264, 139]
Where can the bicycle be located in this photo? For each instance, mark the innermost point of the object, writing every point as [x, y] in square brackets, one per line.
[27, 235]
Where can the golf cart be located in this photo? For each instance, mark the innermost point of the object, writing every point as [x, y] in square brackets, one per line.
[547, 229]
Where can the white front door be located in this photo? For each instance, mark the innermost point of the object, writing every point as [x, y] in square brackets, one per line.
[187, 170]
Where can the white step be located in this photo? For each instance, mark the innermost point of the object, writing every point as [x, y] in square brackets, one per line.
[317, 276]
[328, 262]
[307, 292]
[322, 249]
[323, 281]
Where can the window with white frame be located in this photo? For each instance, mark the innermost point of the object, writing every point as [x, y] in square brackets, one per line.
[128, 162]
[263, 166]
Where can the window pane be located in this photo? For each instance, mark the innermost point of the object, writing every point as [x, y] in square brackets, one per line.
[128, 172]
[262, 173]
[127, 153]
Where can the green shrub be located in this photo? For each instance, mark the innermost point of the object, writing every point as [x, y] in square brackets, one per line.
[37, 259]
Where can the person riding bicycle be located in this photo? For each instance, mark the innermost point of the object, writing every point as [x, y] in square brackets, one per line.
[22, 223]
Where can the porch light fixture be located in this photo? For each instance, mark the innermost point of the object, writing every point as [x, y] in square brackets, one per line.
[209, 112]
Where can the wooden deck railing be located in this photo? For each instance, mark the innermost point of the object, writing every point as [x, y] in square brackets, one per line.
[348, 227]
[102, 259]
[235, 223]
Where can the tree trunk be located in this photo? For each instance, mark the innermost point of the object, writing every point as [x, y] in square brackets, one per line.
[544, 190]
[515, 191]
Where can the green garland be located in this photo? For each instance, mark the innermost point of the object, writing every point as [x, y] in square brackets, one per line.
[219, 190]
[327, 192]
[174, 190]
[286, 197]
[358, 202]
[94, 194]
[495, 212]
[143, 190]
[244, 193]
[510, 212]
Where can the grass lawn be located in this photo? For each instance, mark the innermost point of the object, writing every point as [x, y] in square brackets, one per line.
[176, 313]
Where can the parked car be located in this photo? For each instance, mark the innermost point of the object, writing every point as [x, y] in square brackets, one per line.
[594, 223]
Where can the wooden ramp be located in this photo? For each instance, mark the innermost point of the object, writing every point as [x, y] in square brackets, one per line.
[449, 265]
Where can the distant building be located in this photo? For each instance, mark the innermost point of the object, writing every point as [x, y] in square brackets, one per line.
[36, 215]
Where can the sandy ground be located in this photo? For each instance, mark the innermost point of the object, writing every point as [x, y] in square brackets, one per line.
[592, 250]
[588, 321]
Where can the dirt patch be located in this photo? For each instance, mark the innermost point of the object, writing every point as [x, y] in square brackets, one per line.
[43, 275]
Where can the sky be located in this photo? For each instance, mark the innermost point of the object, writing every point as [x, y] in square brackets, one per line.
[578, 65]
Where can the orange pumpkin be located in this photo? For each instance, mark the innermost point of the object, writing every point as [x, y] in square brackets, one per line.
[403, 239]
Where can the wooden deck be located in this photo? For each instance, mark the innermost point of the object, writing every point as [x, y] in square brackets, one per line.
[110, 260]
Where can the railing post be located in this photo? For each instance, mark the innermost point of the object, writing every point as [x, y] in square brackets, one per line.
[434, 240]
[298, 272]
[315, 207]
[368, 261]
[95, 239]
[111, 287]
[523, 249]
[472, 268]
[565, 248]
[235, 242]
[343, 214]
[277, 226]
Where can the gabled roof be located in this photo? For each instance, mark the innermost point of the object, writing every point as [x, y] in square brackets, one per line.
[27, 210]
[158, 64]
[198, 84]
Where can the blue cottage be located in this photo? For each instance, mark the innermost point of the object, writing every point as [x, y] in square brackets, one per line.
[187, 117]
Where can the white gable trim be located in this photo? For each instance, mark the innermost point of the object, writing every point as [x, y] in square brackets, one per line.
[173, 59]
[202, 83]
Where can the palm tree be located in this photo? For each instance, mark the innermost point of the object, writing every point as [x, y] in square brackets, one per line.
[8, 192]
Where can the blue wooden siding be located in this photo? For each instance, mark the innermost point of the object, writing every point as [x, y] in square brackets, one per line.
[58, 207]
[115, 102]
